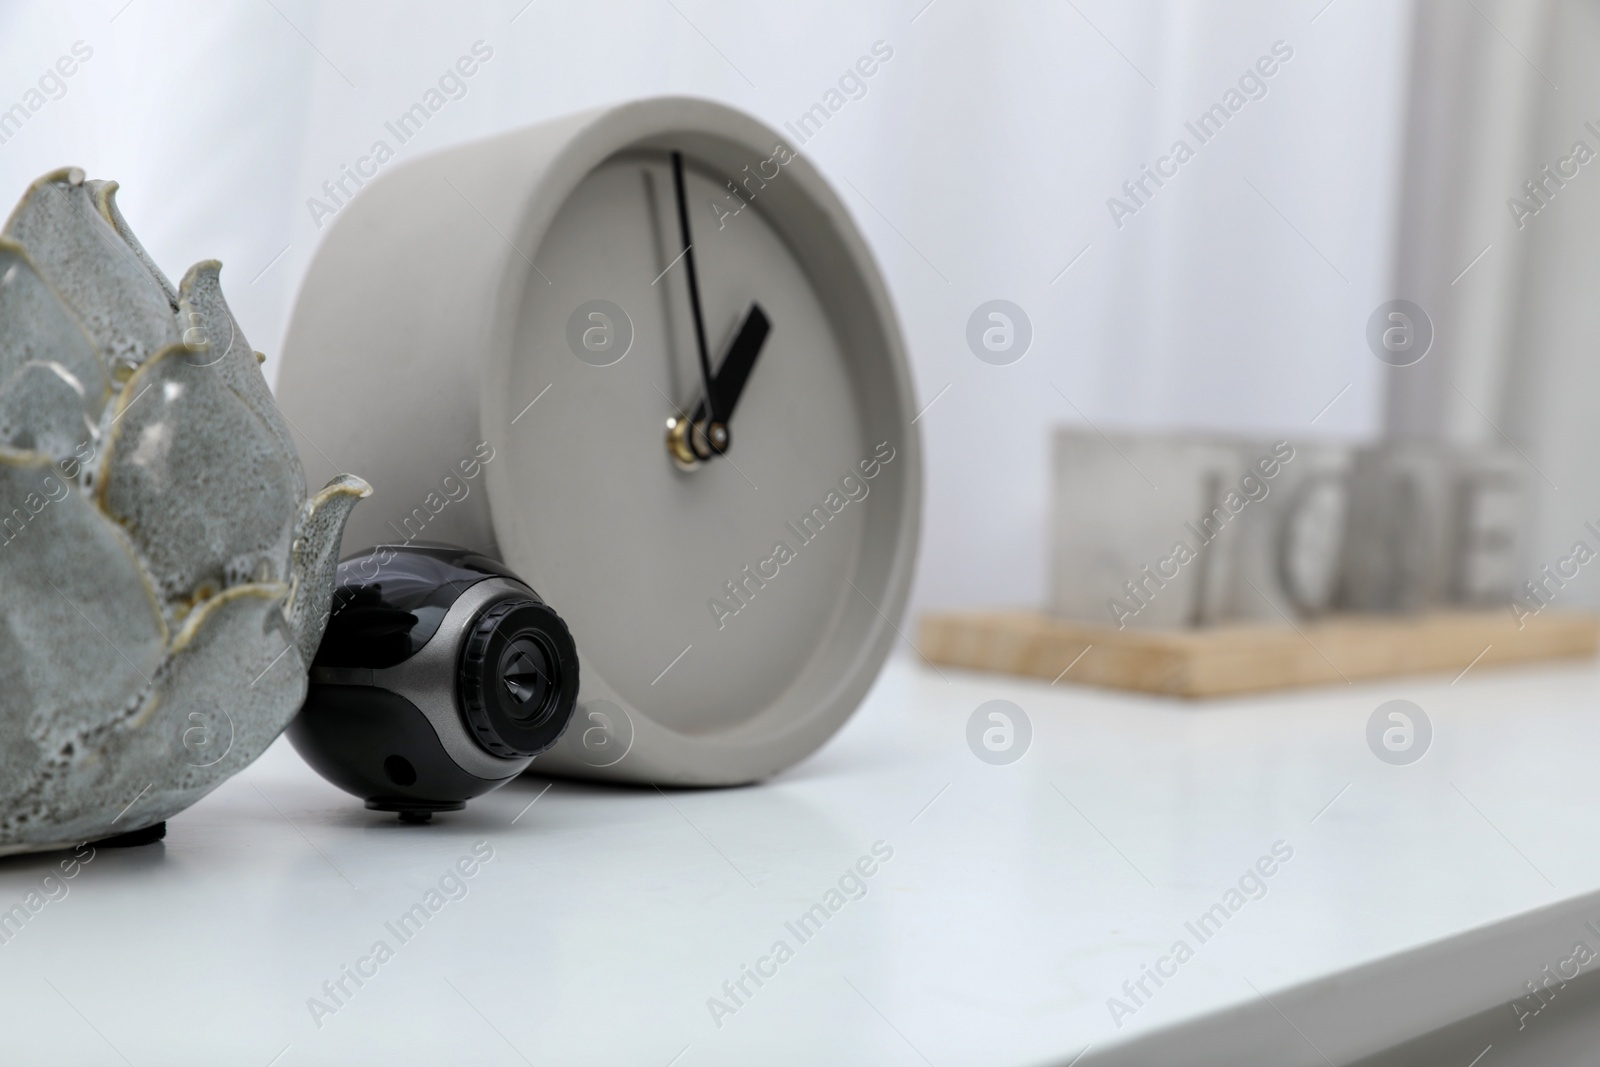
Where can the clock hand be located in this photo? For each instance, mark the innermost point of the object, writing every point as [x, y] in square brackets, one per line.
[734, 370]
[713, 423]
[691, 440]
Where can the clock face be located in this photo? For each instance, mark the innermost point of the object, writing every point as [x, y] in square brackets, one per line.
[700, 597]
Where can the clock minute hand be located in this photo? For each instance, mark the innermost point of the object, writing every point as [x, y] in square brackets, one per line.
[694, 281]
[728, 384]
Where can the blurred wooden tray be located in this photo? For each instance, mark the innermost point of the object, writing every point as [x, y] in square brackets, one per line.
[1249, 658]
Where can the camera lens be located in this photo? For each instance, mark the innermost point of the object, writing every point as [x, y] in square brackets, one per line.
[518, 677]
[530, 676]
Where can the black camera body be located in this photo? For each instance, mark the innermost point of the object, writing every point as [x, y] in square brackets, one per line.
[440, 676]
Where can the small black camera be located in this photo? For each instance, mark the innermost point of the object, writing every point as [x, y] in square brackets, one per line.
[440, 676]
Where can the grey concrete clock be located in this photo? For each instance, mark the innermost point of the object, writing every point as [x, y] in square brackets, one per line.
[643, 354]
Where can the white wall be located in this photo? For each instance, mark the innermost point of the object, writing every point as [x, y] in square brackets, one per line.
[978, 164]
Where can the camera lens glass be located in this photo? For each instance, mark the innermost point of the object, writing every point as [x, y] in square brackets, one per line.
[530, 676]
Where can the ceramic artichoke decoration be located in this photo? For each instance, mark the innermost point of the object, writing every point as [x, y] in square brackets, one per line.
[164, 580]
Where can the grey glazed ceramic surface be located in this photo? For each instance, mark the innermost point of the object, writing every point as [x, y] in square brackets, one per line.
[164, 579]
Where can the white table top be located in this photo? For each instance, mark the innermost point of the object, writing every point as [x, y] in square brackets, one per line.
[1018, 898]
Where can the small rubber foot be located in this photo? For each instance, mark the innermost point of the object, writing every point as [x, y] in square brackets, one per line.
[413, 810]
[148, 836]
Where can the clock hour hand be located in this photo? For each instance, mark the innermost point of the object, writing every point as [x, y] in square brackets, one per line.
[729, 382]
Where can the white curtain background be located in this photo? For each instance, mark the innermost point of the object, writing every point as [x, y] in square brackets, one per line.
[1499, 92]
[979, 164]
[1550, 382]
